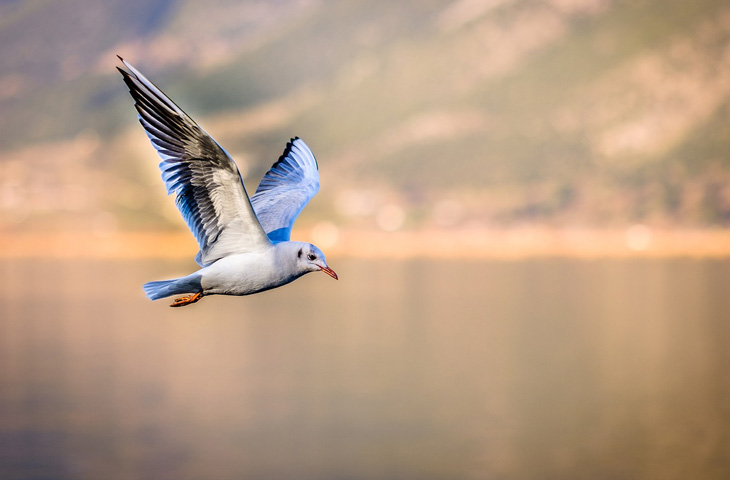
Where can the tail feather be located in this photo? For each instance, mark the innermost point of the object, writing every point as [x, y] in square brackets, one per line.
[159, 289]
[165, 288]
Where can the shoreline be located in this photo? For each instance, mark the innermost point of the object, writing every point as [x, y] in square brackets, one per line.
[497, 244]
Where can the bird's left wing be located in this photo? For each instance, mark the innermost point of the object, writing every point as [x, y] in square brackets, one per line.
[285, 189]
[210, 192]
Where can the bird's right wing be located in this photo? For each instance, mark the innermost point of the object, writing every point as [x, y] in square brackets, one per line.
[210, 192]
[285, 189]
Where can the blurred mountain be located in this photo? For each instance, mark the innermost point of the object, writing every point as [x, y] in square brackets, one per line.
[430, 112]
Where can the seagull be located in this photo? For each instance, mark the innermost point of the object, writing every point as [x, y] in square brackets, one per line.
[244, 242]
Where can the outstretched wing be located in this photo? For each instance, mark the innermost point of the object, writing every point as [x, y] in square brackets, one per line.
[210, 192]
[285, 189]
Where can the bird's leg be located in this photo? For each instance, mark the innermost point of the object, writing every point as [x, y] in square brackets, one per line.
[187, 300]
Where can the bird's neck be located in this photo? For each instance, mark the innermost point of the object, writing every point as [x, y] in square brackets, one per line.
[286, 257]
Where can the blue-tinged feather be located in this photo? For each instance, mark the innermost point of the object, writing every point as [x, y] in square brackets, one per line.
[286, 189]
[209, 191]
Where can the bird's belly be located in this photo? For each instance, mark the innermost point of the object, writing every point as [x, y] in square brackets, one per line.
[241, 276]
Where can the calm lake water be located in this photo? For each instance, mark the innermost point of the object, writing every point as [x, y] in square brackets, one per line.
[401, 370]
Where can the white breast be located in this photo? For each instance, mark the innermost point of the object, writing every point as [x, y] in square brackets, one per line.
[246, 273]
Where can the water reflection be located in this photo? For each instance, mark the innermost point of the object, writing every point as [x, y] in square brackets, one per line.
[421, 369]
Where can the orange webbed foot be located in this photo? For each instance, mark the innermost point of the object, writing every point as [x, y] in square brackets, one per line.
[187, 300]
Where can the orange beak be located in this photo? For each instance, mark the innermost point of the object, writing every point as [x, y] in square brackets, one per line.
[329, 272]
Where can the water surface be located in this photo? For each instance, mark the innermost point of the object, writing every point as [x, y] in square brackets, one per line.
[401, 370]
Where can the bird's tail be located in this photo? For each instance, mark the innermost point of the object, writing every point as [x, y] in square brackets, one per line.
[159, 289]
[165, 288]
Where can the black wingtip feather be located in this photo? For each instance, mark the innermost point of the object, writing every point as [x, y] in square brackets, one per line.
[287, 151]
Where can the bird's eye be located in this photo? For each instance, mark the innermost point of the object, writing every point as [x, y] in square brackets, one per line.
[311, 257]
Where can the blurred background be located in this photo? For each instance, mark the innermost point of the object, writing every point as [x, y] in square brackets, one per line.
[527, 202]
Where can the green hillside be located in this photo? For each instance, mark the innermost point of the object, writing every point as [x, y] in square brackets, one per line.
[566, 113]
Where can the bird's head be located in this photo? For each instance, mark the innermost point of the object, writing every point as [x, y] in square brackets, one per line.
[311, 259]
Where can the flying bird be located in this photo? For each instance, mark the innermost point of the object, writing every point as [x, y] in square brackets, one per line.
[244, 242]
